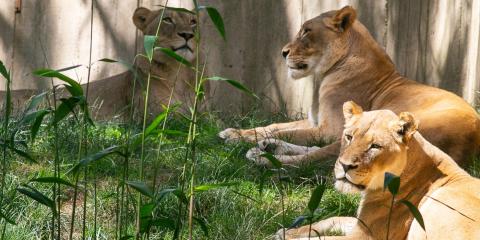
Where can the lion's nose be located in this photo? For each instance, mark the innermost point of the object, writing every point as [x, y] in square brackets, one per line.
[187, 36]
[347, 167]
[285, 52]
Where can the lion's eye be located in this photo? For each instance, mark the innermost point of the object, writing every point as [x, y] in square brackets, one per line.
[306, 31]
[348, 137]
[375, 146]
[193, 22]
[167, 20]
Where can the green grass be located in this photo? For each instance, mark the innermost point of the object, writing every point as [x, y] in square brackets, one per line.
[237, 212]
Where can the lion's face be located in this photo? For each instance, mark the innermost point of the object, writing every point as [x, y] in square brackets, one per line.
[176, 32]
[320, 43]
[373, 143]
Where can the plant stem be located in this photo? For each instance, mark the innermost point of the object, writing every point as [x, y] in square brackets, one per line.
[4, 159]
[390, 216]
[193, 124]
[144, 126]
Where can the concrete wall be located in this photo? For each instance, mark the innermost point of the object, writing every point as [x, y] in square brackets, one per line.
[433, 41]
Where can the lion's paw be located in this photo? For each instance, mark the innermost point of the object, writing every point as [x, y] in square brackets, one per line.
[230, 135]
[274, 146]
[255, 155]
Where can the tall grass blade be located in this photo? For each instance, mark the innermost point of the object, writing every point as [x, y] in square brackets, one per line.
[7, 219]
[206, 187]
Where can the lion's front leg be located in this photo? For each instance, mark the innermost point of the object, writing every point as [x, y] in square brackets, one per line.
[290, 154]
[260, 133]
[346, 226]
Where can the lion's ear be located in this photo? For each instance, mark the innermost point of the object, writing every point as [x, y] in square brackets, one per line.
[140, 17]
[342, 20]
[351, 109]
[406, 126]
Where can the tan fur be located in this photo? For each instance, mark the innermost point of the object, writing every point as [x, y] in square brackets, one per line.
[340, 51]
[379, 141]
[167, 75]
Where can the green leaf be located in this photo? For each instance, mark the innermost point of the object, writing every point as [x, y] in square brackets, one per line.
[146, 210]
[8, 97]
[415, 212]
[235, 84]
[23, 154]
[52, 180]
[175, 56]
[9, 220]
[203, 225]
[176, 9]
[93, 157]
[37, 196]
[125, 64]
[19, 152]
[392, 182]
[316, 197]
[298, 221]
[67, 106]
[126, 237]
[273, 160]
[207, 187]
[68, 68]
[155, 123]
[35, 101]
[216, 19]
[149, 130]
[163, 222]
[148, 44]
[141, 188]
[263, 178]
[74, 87]
[175, 191]
[108, 60]
[173, 132]
[4, 71]
[39, 115]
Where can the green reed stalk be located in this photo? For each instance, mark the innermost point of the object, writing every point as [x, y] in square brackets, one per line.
[193, 124]
[6, 121]
[390, 215]
[144, 127]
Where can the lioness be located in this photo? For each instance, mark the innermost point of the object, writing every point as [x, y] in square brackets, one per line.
[176, 33]
[340, 51]
[379, 141]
